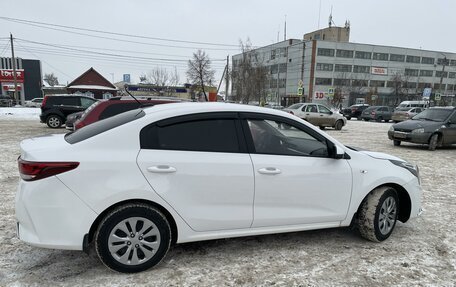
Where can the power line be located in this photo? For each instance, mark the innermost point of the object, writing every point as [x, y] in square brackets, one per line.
[5, 48]
[115, 33]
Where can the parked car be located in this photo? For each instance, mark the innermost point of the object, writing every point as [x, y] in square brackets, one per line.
[318, 115]
[6, 101]
[114, 106]
[403, 114]
[56, 108]
[137, 182]
[354, 111]
[34, 103]
[435, 127]
[377, 113]
[72, 118]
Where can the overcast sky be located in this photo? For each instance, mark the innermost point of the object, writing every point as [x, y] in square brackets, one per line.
[404, 23]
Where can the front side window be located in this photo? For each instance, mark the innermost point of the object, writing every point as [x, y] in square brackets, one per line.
[205, 135]
[324, 110]
[279, 138]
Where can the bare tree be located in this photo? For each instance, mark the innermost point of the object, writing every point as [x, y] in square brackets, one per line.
[161, 78]
[400, 84]
[250, 76]
[51, 79]
[199, 71]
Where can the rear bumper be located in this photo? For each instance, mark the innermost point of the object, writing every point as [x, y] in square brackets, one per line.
[50, 215]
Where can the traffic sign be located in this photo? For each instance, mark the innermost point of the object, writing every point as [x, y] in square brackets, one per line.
[300, 91]
[437, 97]
[427, 93]
[331, 92]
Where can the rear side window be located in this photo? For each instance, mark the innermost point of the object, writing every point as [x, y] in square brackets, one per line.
[69, 101]
[102, 126]
[208, 135]
[116, 109]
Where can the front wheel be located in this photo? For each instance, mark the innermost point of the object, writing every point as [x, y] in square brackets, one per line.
[338, 125]
[133, 238]
[396, 143]
[433, 141]
[378, 214]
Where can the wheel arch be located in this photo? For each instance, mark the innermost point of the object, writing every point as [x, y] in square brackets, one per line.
[166, 213]
[440, 139]
[405, 203]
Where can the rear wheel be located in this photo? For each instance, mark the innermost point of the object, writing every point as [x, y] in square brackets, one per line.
[379, 119]
[348, 118]
[338, 125]
[378, 214]
[54, 121]
[396, 143]
[133, 238]
[433, 141]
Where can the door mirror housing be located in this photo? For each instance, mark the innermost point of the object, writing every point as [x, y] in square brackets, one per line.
[340, 153]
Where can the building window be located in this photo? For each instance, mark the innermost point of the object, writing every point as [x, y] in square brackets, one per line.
[440, 73]
[424, 85]
[324, 67]
[273, 84]
[379, 84]
[450, 87]
[360, 83]
[361, 69]
[452, 62]
[413, 59]
[341, 82]
[274, 69]
[282, 83]
[427, 60]
[344, 53]
[317, 36]
[283, 68]
[441, 61]
[397, 58]
[273, 54]
[323, 81]
[426, 73]
[437, 87]
[410, 85]
[380, 56]
[452, 75]
[342, 68]
[325, 52]
[411, 72]
[363, 55]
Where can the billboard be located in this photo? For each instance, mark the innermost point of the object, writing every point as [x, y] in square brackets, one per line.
[379, 71]
[8, 75]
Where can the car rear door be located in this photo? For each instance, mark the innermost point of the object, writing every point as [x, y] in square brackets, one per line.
[449, 131]
[199, 164]
[310, 114]
[296, 180]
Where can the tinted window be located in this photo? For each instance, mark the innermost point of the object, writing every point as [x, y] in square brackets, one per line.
[209, 135]
[68, 101]
[102, 126]
[278, 138]
[116, 109]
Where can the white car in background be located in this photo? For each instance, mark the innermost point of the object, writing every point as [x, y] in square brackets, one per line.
[318, 115]
[137, 182]
[34, 103]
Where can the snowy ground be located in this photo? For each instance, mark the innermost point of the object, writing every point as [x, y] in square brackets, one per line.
[20, 113]
[421, 252]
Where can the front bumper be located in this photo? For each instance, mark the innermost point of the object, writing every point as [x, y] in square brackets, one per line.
[50, 215]
[422, 138]
[415, 192]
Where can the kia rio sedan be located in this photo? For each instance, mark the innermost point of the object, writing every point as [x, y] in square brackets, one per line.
[134, 184]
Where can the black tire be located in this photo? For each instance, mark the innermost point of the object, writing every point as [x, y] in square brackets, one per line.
[54, 121]
[374, 207]
[396, 143]
[433, 142]
[322, 127]
[338, 125]
[379, 119]
[366, 119]
[348, 118]
[134, 244]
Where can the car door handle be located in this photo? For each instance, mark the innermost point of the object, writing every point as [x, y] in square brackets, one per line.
[269, 170]
[161, 169]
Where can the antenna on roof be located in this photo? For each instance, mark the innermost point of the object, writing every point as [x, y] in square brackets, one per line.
[330, 21]
[128, 92]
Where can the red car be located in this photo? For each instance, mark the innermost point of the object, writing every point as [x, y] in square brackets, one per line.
[114, 106]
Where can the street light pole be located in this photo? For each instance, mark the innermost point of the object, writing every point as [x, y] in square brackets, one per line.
[441, 76]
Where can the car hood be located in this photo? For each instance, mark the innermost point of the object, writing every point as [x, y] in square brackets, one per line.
[416, 124]
[380, 155]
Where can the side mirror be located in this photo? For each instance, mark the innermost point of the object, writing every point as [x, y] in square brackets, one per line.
[340, 153]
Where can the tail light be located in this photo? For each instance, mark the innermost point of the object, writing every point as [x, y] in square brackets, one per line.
[43, 103]
[291, 113]
[31, 171]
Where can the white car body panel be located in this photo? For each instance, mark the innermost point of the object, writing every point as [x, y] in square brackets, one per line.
[112, 167]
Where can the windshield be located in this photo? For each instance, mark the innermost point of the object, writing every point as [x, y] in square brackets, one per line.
[437, 115]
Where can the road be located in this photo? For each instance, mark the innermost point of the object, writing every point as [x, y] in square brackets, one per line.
[420, 252]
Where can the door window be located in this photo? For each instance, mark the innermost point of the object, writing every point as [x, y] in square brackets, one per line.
[209, 135]
[324, 110]
[279, 138]
[85, 103]
[69, 101]
[311, 109]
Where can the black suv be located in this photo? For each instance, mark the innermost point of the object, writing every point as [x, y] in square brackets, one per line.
[55, 109]
[354, 111]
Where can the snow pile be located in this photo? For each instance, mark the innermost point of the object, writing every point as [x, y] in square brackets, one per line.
[20, 113]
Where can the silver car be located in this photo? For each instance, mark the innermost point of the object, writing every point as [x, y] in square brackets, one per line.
[318, 115]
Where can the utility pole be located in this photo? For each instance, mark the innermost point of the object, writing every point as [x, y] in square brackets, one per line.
[13, 60]
[441, 76]
[227, 77]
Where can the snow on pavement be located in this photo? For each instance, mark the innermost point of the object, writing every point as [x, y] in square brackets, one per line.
[20, 113]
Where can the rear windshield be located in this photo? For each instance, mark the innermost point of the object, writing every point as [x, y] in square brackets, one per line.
[295, 106]
[102, 126]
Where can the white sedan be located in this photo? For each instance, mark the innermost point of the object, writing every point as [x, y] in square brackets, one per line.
[135, 183]
[34, 103]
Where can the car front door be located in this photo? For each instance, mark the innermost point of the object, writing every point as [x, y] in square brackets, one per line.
[325, 116]
[449, 131]
[296, 179]
[200, 166]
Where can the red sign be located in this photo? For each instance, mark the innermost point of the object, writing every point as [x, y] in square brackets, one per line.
[8, 76]
[379, 71]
